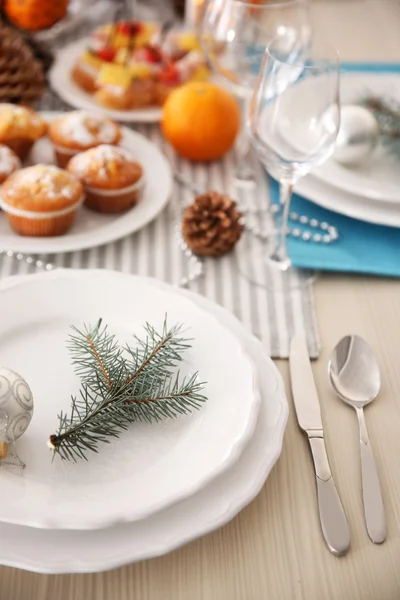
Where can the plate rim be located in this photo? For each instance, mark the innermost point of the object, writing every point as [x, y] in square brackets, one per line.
[236, 445]
[244, 497]
[67, 244]
[349, 205]
[58, 73]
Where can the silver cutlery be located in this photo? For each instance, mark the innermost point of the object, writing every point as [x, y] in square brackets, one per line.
[354, 375]
[333, 520]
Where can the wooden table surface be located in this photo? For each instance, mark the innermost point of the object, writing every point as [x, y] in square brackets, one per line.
[274, 549]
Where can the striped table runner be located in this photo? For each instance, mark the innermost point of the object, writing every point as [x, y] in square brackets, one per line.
[154, 251]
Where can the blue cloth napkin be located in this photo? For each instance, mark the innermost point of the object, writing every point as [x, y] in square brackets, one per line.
[362, 247]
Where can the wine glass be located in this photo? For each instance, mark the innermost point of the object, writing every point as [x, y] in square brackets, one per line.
[234, 36]
[293, 124]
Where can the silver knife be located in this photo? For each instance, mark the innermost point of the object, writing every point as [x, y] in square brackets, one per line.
[333, 520]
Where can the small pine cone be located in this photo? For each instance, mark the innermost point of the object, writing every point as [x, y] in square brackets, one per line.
[22, 80]
[179, 6]
[211, 226]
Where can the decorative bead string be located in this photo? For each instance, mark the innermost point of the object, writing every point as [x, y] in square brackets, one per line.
[328, 233]
[30, 260]
[195, 265]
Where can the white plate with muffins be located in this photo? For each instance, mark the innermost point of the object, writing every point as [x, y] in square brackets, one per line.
[85, 181]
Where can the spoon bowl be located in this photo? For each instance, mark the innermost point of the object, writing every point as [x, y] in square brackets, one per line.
[354, 371]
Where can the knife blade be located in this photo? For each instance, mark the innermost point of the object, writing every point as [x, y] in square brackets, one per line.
[332, 517]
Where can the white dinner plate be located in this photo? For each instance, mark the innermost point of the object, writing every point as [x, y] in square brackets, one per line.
[150, 466]
[378, 178]
[351, 205]
[63, 84]
[94, 229]
[212, 507]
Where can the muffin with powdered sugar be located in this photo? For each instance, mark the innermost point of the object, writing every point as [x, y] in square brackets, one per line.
[41, 201]
[20, 128]
[78, 131]
[111, 177]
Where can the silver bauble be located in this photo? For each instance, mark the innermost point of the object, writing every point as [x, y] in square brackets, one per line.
[357, 137]
[16, 408]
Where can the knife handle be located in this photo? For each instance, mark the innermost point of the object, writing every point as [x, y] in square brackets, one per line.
[331, 514]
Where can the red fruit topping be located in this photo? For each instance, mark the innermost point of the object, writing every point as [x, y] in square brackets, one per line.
[153, 54]
[107, 54]
[170, 75]
[129, 27]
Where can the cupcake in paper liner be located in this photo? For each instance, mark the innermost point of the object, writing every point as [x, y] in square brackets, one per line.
[112, 179]
[78, 131]
[20, 128]
[41, 201]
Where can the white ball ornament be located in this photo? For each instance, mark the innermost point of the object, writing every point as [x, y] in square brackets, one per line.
[358, 135]
[16, 408]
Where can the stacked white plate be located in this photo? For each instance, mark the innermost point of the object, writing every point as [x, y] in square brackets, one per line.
[158, 486]
[371, 191]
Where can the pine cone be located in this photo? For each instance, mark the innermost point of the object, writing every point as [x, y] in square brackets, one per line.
[22, 80]
[211, 225]
[179, 6]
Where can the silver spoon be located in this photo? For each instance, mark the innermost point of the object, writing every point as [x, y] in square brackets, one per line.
[354, 375]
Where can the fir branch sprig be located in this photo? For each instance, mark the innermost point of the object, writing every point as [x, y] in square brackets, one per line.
[121, 385]
[386, 111]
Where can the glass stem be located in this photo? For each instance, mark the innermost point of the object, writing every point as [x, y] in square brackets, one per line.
[244, 171]
[280, 255]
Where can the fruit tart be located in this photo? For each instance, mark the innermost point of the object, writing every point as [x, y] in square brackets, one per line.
[130, 65]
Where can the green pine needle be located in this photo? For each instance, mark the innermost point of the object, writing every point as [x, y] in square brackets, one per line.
[121, 385]
[387, 113]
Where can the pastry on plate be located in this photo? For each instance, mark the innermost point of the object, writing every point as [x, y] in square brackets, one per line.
[124, 88]
[78, 130]
[130, 65]
[9, 162]
[105, 43]
[86, 70]
[111, 177]
[20, 127]
[188, 68]
[41, 200]
[122, 34]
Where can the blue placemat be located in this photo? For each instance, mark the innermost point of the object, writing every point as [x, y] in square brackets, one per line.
[362, 247]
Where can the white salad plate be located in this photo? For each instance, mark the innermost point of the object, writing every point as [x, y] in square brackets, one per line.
[94, 229]
[150, 466]
[378, 178]
[351, 205]
[50, 551]
[63, 84]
